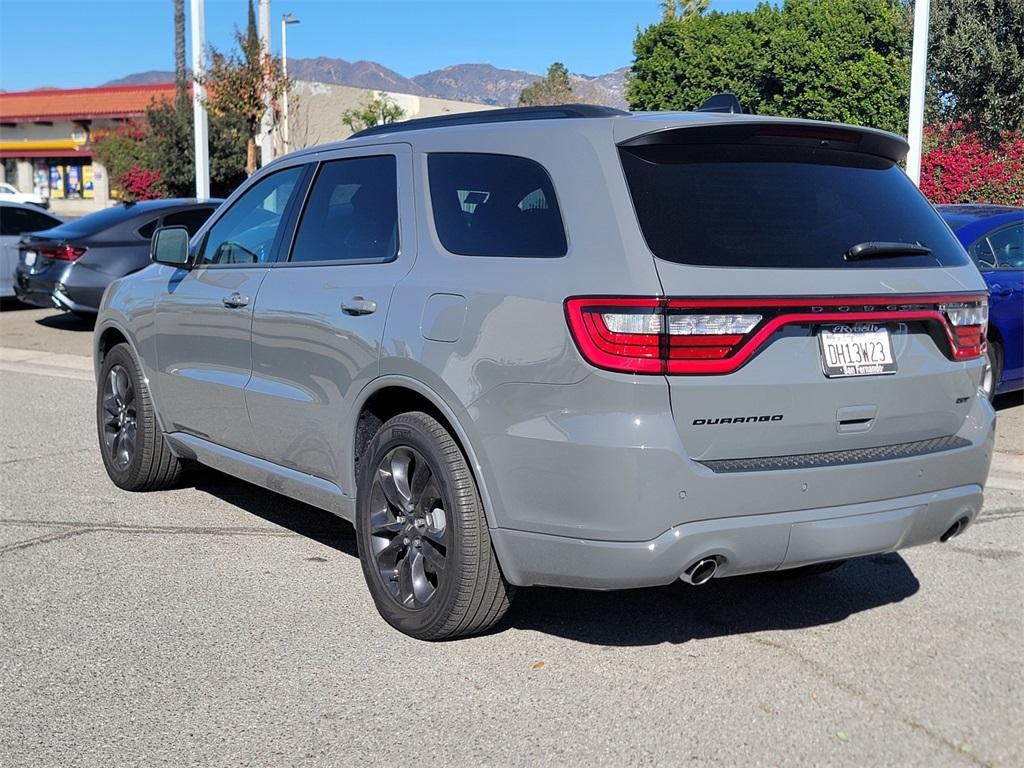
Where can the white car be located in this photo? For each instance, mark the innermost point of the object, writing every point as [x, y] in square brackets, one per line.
[16, 219]
[10, 194]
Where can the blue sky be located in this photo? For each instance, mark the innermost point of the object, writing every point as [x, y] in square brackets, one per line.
[76, 43]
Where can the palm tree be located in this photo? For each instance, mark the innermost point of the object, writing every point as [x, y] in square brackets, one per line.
[179, 52]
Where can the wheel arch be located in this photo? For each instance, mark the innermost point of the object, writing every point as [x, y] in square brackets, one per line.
[106, 338]
[390, 395]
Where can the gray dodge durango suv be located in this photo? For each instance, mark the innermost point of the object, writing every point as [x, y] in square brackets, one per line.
[567, 346]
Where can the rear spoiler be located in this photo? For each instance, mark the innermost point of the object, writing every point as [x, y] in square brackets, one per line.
[751, 130]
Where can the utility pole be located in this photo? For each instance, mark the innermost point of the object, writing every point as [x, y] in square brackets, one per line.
[918, 78]
[266, 137]
[285, 128]
[198, 105]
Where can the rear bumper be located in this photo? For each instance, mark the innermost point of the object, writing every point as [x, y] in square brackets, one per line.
[79, 288]
[744, 544]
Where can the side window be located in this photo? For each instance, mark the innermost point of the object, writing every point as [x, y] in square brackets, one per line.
[245, 233]
[18, 221]
[146, 230]
[495, 205]
[1007, 246]
[352, 213]
[192, 219]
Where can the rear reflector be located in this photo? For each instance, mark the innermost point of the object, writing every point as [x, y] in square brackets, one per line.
[695, 336]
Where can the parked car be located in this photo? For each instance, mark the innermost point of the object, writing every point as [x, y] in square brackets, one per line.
[994, 237]
[567, 346]
[69, 266]
[10, 194]
[17, 219]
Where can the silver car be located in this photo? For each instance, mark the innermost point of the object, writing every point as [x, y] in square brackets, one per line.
[567, 346]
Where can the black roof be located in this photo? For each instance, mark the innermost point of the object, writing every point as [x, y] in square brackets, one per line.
[515, 114]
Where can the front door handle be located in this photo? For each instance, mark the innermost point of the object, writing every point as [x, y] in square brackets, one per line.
[1001, 290]
[357, 305]
[235, 300]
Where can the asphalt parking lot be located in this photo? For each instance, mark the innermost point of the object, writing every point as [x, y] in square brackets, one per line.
[220, 624]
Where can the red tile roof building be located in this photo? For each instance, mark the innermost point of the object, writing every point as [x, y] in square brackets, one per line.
[45, 139]
[53, 104]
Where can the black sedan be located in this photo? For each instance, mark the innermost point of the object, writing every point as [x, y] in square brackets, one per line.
[69, 266]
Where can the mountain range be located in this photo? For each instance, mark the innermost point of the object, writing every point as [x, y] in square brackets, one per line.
[481, 83]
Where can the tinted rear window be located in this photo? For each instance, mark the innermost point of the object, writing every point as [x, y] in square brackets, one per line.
[192, 219]
[749, 206]
[495, 205]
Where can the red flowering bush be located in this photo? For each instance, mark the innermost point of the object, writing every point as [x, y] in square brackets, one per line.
[140, 184]
[957, 167]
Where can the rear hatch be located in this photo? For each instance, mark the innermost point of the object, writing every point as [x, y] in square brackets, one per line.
[814, 301]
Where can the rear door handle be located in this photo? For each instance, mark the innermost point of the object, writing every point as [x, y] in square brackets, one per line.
[357, 305]
[1001, 290]
[235, 300]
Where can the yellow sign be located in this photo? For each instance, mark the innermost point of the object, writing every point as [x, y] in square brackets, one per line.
[87, 179]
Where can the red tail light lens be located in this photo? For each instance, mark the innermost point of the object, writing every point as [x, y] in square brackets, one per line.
[62, 252]
[619, 334]
[715, 336]
[969, 323]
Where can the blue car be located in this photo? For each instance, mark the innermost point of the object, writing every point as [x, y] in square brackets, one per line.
[994, 237]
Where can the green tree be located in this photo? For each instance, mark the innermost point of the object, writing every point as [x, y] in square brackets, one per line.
[555, 88]
[120, 149]
[239, 81]
[976, 58]
[379, 111]
[170, 149]
[844, 60]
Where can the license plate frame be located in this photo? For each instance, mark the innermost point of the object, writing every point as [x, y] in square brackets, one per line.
[864, 349]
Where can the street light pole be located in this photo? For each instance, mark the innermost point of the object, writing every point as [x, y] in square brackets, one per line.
[285, 136]
[202, 145]
[918, 73]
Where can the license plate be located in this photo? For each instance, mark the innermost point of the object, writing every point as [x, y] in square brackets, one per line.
[28, 258]
[856, 351]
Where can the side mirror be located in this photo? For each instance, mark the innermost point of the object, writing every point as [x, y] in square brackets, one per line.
[170, 246]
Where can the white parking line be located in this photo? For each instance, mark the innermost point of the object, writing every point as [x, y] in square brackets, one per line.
[46, 363]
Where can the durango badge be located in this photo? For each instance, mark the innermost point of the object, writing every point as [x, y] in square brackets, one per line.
[736, 420]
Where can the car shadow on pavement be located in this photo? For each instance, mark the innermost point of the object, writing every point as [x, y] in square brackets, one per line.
[8, 304]
[316, 524]
[1009, 400]
[677, 613]
[680, 613]
[66, 321]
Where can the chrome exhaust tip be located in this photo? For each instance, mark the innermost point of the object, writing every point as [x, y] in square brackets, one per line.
[701, 572]
[954, 530]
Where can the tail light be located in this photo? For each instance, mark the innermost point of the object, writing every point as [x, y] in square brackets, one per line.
[61, 252]
[715, 336]
[969, 324]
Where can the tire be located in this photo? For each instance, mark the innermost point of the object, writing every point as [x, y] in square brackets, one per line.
[423, 541]
[806, 571]
[144, 463]
[993, 370]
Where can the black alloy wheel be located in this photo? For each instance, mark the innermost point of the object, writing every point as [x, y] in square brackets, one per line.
[408, 527]
[424, 544]
[135, 453]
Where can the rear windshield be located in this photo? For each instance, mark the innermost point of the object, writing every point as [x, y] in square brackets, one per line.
[750, 206]
[96, 222]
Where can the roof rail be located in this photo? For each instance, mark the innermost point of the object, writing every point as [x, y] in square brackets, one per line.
[722, 102]
[515, 114]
